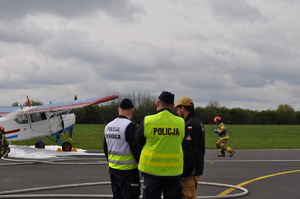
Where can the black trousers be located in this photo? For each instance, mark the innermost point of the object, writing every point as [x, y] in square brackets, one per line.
[154, 187]
[125, 184]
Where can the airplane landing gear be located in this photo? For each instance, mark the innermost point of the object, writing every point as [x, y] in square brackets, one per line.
[40, 145]
[66, 146]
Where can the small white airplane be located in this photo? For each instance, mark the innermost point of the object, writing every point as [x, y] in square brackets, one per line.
[52, 120]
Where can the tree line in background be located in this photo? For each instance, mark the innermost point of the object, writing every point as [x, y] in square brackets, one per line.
[145, 104]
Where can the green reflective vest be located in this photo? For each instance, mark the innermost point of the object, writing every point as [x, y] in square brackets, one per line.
[162, 154]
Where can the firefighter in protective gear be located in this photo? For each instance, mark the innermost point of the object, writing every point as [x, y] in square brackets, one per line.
[4, 145]
[224, 137]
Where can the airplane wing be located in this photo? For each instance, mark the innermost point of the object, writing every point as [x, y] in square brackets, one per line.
[71, 104]
[59, 106]
[6, 110]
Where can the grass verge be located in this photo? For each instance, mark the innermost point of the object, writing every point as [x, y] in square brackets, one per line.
[90, 136]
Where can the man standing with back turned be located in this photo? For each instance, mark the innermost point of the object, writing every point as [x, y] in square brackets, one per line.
[161, 161]
[122, 153]
[193, 147]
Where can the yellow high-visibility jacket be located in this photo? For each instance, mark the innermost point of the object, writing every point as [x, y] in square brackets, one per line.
[162, 154]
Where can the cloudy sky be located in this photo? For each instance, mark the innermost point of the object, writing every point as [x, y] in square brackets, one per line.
[241, 53]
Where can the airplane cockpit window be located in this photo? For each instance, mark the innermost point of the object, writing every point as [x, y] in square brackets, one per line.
[22, 119]
[35, 117]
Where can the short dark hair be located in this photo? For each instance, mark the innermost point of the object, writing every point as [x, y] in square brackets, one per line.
[188, 108]
[166, 105]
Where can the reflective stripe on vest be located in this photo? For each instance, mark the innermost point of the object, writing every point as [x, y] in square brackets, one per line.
[162, 154]
[119, 153]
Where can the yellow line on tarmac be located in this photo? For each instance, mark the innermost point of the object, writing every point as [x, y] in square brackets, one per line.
[255, 179]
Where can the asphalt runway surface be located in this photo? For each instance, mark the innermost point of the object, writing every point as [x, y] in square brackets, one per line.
[262, 174]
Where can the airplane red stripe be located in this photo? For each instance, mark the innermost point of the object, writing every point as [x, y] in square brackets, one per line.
[4, 113]
[12, 131]
[104, 99]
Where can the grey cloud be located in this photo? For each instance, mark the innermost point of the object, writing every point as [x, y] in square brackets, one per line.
[270, 41]
[268, 49]
[14, 9]
[41, 76]
[287, 1]
[70, 44]
[235, 10]
[246, 79]
[278, 70]
[109, 60]
[22, 33]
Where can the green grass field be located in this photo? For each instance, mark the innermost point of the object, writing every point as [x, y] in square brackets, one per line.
[90, 136]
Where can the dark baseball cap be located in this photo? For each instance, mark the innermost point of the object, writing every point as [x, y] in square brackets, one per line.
[126, 103]
[166, 97]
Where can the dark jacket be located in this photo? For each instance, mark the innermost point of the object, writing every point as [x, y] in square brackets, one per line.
[193, 146]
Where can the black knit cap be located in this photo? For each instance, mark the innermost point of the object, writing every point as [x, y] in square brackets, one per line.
[126, 104]
[167, 97]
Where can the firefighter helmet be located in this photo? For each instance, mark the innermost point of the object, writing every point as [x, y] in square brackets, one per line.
[217, 119]
[2, 128]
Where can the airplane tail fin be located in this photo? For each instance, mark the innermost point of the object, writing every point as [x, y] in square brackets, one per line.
[28, 101]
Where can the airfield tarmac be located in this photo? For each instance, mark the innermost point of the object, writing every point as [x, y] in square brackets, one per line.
[260, 173]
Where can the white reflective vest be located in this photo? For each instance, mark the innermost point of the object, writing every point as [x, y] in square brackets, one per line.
[119, 154]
